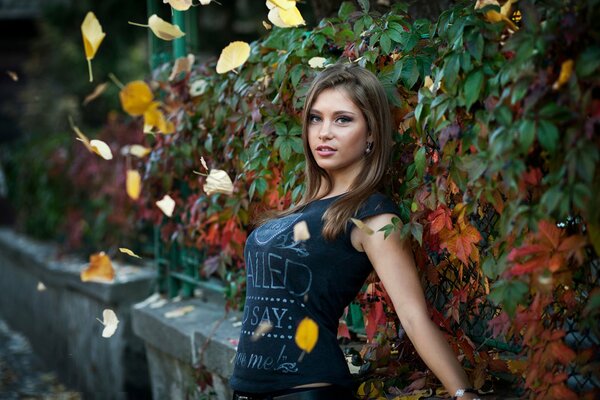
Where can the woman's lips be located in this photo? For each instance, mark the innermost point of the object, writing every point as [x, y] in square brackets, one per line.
[325, 151]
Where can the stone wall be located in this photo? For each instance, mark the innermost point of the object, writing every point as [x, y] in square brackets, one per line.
[60, 321]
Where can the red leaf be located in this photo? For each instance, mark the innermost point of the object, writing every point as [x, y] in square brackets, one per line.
[560, 391]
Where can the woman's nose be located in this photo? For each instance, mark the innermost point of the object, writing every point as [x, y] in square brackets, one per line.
[325, 130]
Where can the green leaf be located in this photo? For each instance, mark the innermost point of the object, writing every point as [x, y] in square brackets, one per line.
[473, 86]
[416, 231]
[475, 45]
[346, 9]
[451, 68]
[588, 62]
[420, 162]
[527, 135]
[365, 5]
[385, 42]
[509, 294]
[548, 135]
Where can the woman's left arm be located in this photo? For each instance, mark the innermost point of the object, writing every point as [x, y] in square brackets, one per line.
[394, 263]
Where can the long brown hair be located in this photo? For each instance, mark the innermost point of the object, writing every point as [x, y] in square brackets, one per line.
[366, 92]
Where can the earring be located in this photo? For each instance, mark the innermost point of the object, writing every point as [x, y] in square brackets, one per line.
[369, 147]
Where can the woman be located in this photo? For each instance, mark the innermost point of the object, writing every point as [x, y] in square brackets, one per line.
[347, 143]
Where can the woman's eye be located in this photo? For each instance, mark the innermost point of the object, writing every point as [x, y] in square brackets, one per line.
[313, 119]
[344, 120]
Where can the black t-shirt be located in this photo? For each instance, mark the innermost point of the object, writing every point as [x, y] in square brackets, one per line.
[288, 281]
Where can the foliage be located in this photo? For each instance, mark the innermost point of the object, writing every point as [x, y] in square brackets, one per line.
[61, 191]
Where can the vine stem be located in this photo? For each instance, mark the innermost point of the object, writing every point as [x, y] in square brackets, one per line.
[116, 81]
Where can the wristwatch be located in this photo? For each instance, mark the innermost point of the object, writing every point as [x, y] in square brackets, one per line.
[461, 393]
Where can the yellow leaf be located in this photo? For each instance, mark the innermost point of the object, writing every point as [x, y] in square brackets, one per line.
[13, 75]
[494, 16]
[41, 287]
[267, 25]
[261, 330]
[128, 252]
[179, 5]
[275, 18]
[283, 4]
[136, 97]
[110, 323]
[133, 184]
[166, 205]
[203, 162]
[92, 33]
[179, 312]
[507, 8]
[415, 395]
[101, 148]
[94, 146]
[205, 2]
[182, 64]
[291, 17]
[98, 90]
[362, 226]
[218, 182]
[307, 335]
[301, 231]
[138, 150]
[100, 269]
[566, 69]
[154, 118]
[163, 29]
[317, 62]
[232, 56]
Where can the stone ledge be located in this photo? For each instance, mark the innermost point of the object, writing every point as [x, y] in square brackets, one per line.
[41, 260]
[205, 335]
[60, 320]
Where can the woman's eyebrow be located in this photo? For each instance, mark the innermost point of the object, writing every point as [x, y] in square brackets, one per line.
[315, 111]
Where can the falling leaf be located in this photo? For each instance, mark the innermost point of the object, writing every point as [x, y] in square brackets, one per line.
[494, 16]
[93, 35]
[163, 29]
[182, 64]
[307, 335]
[94, 146]
[362, 226]
[261, 330]
[133, 184]
[179, 5]
[154, 118]
[110, 323]
[138, 150]
[100, 269]
[566, 69]
[267, 25]
[41, 287]
[291, 17]
[317, 62]
[98, 90]
[101, 149]
[13, 75]
[166, 205]
[301, 231]
[128, 252]
[198, 87]
[232, 56]
[218, 182]
[203, 162]
[283, 4]
[136, 97]
[179, 312]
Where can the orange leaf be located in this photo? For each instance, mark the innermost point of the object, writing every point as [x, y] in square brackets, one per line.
[461, 241]
[100, 269]
[440, 219]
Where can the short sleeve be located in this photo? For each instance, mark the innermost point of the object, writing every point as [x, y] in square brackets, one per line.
[376, 204]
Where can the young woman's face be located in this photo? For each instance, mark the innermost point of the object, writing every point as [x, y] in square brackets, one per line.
[337, 134]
